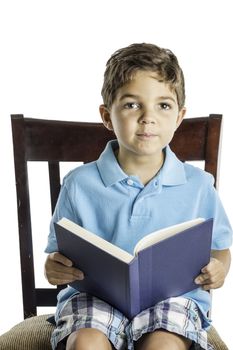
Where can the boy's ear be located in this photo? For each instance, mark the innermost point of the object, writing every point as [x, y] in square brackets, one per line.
[105, 115]
[180, 117]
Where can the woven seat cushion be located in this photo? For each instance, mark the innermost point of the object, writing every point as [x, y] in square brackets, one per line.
[34, 334]
[215, 340]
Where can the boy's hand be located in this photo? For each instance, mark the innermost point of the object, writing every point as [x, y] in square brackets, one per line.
[212, 276]
[59, 270]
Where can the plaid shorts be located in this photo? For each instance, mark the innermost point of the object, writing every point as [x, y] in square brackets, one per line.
[178, 315]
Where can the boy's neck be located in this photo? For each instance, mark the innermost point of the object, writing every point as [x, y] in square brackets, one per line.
[144, 167]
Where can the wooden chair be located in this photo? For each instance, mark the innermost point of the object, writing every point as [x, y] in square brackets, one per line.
[197, 139]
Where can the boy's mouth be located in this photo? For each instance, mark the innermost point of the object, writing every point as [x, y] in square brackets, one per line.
[146, 134]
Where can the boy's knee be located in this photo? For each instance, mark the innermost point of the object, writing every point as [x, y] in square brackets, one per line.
[163, 340]
[88, 339]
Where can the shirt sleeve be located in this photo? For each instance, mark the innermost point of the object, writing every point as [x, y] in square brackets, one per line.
[63, 208]
[222, 230]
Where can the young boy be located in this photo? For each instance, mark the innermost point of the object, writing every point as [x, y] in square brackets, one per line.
[135, 187]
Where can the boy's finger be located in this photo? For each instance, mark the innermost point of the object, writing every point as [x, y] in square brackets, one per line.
[201, 279]
[78, 274]
[61, 258]
[68, 276]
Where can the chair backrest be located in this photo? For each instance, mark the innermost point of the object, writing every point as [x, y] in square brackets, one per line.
[197, 139]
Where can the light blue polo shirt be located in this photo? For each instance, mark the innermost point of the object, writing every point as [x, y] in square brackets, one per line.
[103, 199]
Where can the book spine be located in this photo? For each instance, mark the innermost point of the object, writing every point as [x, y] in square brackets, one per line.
[133, 289]
[146, 270]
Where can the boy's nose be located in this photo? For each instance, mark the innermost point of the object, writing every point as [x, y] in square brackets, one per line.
[148, 115]
[145, 119]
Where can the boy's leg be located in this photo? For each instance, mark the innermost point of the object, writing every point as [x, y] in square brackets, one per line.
[162, 340]
[84, 318]
[88, 339]
[175, 323]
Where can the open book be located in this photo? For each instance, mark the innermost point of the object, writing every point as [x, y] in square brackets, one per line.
[164, 264]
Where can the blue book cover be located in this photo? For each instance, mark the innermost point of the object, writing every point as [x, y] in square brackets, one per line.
[131, 283]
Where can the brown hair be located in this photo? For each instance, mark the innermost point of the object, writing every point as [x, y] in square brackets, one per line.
[124, 63]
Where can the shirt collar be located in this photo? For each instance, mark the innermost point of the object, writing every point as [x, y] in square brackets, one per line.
[171, 174]
[108, 166]
[172, 171]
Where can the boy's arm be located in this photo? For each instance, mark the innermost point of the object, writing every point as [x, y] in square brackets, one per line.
[59, 270]
[224, 256]
[213, 275]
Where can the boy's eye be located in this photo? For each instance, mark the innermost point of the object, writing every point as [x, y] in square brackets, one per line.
[164, 105]
[132, 105]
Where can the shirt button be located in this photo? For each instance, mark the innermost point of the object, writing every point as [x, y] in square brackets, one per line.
[130, 182]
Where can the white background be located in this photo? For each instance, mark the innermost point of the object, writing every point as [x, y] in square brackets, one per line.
[52, 58]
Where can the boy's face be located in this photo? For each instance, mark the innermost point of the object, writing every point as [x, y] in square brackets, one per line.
[144, 116]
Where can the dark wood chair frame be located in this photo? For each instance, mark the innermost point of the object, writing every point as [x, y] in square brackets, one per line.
[197, 139]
